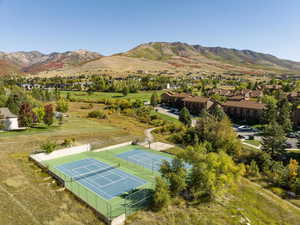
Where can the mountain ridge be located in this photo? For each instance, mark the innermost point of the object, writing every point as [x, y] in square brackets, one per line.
[153, 56]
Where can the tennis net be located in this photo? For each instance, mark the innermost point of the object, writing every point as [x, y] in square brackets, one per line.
[92, 173]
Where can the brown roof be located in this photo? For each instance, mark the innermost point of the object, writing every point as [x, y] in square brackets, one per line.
[196, 99]
[244, 104]
[6, 113]
[177, 95]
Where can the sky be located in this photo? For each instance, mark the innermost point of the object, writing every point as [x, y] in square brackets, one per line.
[113, 26]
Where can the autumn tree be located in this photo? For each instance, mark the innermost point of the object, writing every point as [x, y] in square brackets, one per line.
[62, 105]
[26, 115]
[49, 114]
[213, 174]
[39, 113]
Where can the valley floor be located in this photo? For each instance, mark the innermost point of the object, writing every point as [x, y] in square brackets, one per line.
[29, 196]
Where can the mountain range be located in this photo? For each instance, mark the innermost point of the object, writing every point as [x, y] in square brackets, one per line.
[154, 57]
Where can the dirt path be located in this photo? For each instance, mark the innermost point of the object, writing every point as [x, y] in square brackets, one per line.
[149, 135]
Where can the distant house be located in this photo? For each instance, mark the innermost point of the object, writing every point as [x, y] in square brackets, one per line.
[8, 120]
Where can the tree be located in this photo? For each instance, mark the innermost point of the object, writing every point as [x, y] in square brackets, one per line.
[62, 105]
[274, 141]
[175, 174]
[185, 117]
[253, 169]
[26, 116]
[49, 114]
[213, 174]
[125, 91]
[270, 113]
[218, 113]
[284, 115]
[161, 197]
[39, 113]
[154, 99]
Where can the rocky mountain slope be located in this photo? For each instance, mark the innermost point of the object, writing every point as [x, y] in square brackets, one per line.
[34, 61]
[154, 57]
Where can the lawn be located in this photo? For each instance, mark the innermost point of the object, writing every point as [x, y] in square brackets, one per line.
[166, 117]
[253, 142]
[98, 96]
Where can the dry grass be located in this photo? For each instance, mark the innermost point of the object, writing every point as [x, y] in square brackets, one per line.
[27, 195]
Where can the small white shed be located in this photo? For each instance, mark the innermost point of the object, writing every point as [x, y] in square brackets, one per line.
[8, 119]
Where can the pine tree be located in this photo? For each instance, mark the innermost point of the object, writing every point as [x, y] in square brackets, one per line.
[154, 99]
[274, 141]
[185, 117]
[284, 116]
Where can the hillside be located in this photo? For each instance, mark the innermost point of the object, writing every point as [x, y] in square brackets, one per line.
[177, 58]
[248, 205]
[165, 51]
[8, 68]
[34, 61]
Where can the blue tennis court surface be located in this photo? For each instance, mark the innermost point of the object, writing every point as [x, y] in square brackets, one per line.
[100, 178]
[146, 159]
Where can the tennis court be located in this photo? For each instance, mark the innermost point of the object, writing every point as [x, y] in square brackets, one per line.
[103, 179]
[146, 159]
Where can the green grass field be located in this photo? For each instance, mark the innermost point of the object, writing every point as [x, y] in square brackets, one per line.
[114, 207]
[82, 96]
[253, 142]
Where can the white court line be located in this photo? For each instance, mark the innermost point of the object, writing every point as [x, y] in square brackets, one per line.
[99, 188]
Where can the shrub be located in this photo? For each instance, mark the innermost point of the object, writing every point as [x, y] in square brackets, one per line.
[161, 198]
[97, 114]
[48, 146]
[68, 142]
[277, 191]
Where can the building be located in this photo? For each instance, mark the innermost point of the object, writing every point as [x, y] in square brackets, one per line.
[244, 110]
[8, 120]
[197, 104]
[174, 99]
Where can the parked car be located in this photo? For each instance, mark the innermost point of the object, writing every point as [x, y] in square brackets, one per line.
[288, 145]
[292, 135]
[245, 128]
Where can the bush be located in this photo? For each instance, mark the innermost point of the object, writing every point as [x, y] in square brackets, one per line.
[135, 141]
[277, 191]
[68, 142]
[49, 146]
[161, 198]
[97, 114]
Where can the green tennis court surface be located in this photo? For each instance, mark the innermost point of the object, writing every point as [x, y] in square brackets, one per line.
[112, 191]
